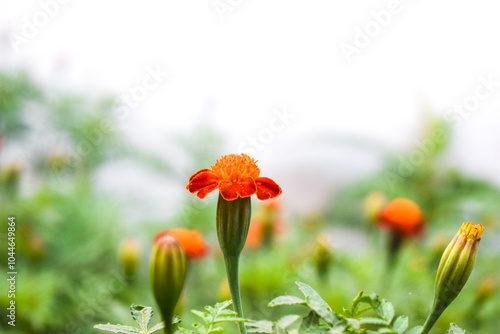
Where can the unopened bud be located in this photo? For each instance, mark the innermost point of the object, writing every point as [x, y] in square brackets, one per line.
[168, 273]
[129, 254]
[454, 269]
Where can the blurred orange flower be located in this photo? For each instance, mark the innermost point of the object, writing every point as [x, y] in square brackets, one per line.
[191, 241]
[266, 226]
[255, 234]
[402, 217]
[235, 175]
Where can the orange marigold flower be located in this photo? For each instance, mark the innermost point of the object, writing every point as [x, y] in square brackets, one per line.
[191, 241]
[402, 216]
[235, 175]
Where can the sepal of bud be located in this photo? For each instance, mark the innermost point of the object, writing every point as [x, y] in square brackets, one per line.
[233, 222]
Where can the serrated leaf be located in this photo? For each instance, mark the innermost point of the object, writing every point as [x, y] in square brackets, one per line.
[373, 321]
[205, 316]
[118, 329]
[287, 320]
[227, 312]
[286, 300]
[222, 305]
[262, 326]
[161, 325]
[142, 315]
[386, 310]
[385, 330]
[400, 324]
[414, 330]
[454, 329]
[317, 304]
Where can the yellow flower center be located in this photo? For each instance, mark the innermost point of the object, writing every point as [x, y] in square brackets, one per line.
[234, 167]
[472, 231]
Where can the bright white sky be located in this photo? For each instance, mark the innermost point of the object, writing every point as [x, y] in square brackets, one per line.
[233, 71]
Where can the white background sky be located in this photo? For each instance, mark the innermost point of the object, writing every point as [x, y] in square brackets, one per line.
[232, 72]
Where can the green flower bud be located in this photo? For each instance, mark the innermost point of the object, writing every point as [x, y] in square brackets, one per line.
[322, 255]
[129, 254]
[168, 273]
[454, 269]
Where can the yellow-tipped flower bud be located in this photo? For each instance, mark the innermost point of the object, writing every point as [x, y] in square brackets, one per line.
[322, 255]
[168, 273]
[454, 269]
[129, 255]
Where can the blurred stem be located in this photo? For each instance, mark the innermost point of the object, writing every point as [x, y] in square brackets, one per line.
[395, 242]
[232, 264]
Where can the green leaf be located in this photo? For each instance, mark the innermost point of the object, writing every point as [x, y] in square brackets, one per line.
[277, 329]
[262, 326]
[414, 330]
[360, 298]
[386, 310]
[161, 325]
[373, 321]
[385, 330]
[288, 320]
[317, 304]
[205, 316]
[142, 315]
[400, 324]
[311, 320]
[118, 329]
[286, 300]
[454, 329]
[354, 323]
[230, 319]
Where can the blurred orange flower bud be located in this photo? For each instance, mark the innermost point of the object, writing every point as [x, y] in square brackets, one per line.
[402, 217]
[192, 241]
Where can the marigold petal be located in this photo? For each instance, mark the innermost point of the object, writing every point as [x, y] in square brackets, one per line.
[267, 188]
[198, 172]
[203, 182]
[244, 188]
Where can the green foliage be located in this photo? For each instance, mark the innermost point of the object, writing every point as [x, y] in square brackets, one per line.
[212, 317]
[142, 315]
[321, 318]
[454, 329]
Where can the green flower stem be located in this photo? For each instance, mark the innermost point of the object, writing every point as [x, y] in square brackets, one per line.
[434, 315]
[233, 222]
[232, 264]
